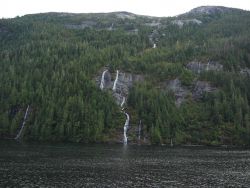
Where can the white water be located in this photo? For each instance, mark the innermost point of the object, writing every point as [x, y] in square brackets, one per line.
[125, 141]
[154, 45]
[199, 65]
[139, 131]
[171, 142]
[23, 124]
[102, 81]
[116, 79]
[126, 125]
[208, 66]
[123, 101]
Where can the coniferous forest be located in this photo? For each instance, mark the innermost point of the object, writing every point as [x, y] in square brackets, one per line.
[195, 88]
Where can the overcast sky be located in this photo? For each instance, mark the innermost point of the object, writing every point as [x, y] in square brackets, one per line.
[12, 8]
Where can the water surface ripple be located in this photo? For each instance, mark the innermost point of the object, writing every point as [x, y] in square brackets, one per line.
[36, 165]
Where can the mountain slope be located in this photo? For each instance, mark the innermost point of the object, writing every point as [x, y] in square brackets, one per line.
[194, 70]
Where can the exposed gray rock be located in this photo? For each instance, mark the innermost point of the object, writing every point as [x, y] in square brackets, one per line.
[181, 92]
[118, 98]
[202, 87]
[124, 82]
[153, 24]
[83, 25]
[245, 71]
[198, 67]
[210, 10]
[180, 23]
[125, 15]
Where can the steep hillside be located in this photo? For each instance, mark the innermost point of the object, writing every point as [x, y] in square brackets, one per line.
[77, 77]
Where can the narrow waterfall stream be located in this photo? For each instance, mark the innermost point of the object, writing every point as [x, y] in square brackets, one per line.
[125, 141]
[199, 68]
[126, 125]
[123, 101]
[116, 79]
[102, 80]
[23, 124]
[125, 128]
[207, 66]
[139, 131]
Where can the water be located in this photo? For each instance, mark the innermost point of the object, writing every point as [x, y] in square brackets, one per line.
[125, 140]
[116, 79]
[37, 165]
[103, 79]
[123, 101]
[23, 124]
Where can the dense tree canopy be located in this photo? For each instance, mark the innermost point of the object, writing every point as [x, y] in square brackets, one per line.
[50, 62]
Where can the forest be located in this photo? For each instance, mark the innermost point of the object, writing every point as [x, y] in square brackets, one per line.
[50, 63]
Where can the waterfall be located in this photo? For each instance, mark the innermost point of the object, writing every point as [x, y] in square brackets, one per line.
[199, 65]
[175, 84]
[154, 46]
[111, 27]
[126, 125]
[125, 141]
[208, 66]
[116, 79]
[102, 81]
[139, 131]
[123, 101]
[23, 124]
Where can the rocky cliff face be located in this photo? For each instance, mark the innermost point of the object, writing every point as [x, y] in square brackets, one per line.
[124, 82]
[200, 88]
[210, 10]
[181, 92]
[125, 15]
[83, 25]
[198, 67]
[245, 71]
[180, 23]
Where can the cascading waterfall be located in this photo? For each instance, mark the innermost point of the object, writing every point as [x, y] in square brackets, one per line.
[139, 131]
[126, 125]
[154, 46]
[125, 141]
[123, 101]
[23, 124]
[102, 81]
[116, 79]
[207, 66]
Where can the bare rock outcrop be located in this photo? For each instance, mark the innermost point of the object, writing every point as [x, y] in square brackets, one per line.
[198, 67]
[83, 25]
[181, 92]
[124, 82]
[183, 22]
[210, 10]
[245, 72]
[125, 15]
[200, 88]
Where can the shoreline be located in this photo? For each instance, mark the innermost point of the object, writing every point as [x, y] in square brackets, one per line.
[9, 140]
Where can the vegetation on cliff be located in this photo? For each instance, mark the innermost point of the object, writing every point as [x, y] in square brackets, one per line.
[50, 62]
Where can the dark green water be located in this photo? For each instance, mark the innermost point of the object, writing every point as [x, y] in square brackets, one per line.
[36, 165]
